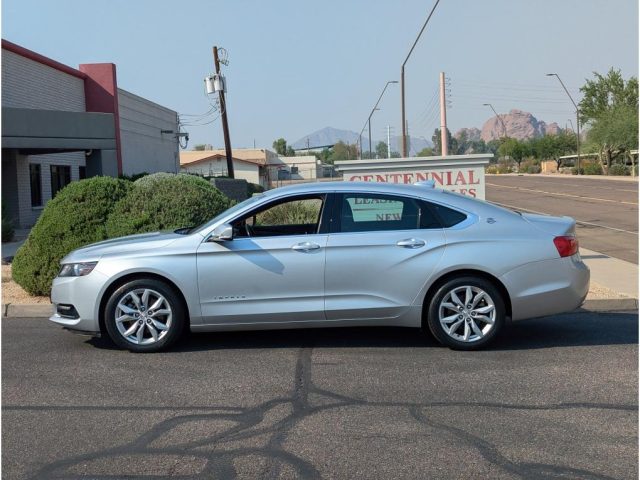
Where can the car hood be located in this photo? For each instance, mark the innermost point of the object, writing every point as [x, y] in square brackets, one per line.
[130, 243]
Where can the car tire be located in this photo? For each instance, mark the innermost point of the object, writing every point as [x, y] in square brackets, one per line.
[466, 313]
[144, 315]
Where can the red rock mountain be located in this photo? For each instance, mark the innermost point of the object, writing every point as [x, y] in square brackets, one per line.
[518, 124]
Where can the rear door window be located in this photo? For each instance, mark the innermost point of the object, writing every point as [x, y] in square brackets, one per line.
[371, 212]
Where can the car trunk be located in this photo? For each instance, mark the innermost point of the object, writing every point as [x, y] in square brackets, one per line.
[557, 226]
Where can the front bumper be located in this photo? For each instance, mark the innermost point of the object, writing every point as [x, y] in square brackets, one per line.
[81, 293]
[548, 287]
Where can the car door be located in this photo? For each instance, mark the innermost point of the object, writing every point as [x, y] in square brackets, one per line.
[272, 270]
[381, 251]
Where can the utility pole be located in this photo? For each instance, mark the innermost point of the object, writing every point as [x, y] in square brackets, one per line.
[444, 143]
[404, 123]
[388, 141]
[223, 113]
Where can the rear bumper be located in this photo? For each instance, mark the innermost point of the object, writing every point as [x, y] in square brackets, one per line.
[548, 287]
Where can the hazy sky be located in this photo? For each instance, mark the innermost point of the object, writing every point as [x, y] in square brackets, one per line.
[298, 66]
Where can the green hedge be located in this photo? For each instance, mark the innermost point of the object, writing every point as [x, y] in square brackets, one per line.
[75, 217]
[164, 201]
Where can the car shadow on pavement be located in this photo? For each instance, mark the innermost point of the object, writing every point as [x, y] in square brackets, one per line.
[568, 330]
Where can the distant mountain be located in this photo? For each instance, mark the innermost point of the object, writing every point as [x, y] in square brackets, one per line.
[327, 136]
[518, 124]
[330, 136]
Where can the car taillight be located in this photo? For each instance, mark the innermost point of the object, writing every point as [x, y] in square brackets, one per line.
[566, 245]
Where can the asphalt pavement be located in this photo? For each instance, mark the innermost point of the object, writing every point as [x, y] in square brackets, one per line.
[606, 209]
[556, 398]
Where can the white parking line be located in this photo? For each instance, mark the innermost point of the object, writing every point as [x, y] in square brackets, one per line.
[513, 207]
[563, 194]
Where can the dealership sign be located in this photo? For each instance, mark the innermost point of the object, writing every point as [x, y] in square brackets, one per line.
[458, 173]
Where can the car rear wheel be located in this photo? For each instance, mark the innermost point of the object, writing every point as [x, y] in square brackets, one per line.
[466, 313]
[144, 315]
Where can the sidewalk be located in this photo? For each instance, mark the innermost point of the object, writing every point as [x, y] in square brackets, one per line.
[615, 274]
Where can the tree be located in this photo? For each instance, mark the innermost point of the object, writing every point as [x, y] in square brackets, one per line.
[425, 152]
[610, 107]
[381, 150]
[200, 147]
[515, 149]
[343, 151]
[615, 133]
[606, 93]
[280, 146]
[452, 143]
[552, 147]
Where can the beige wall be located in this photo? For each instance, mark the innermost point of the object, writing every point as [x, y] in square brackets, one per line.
[218, 166]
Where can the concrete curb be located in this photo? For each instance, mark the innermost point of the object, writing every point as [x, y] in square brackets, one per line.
[609, 304]
[598, 305]
[23, 311]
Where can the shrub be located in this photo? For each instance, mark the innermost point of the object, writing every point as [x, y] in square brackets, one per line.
[592, 169]
[619, 169]
[253, 188]
[165, 201]
[134, 177]
[302, 212]
[7, 225]
[75, 217]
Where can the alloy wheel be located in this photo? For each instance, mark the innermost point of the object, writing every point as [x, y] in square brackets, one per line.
[467, 313]
[143, 316]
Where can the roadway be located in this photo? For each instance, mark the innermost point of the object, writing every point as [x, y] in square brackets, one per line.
[606, 209]
[555, 398]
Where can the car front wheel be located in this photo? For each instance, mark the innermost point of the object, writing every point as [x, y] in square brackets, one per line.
[144, 315]
[466, 313]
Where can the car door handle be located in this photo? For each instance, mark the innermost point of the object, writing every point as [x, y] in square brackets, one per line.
[411, 243]
[305, 246]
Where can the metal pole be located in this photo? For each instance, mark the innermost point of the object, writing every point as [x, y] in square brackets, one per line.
[370, 135]
[444, 141]
[577, 116]
[225, 124]
[404, 132]
[388, 141]
[504, 129]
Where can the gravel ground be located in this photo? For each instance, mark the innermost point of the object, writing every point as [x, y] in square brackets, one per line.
[14, 294]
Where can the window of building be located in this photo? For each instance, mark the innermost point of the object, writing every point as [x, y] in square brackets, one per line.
[82, 172]
[60, 177]
[36, 184]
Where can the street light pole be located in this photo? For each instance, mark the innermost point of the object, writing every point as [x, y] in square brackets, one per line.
[577, 116]
[504, 129]
[368, 122]
[404, 123]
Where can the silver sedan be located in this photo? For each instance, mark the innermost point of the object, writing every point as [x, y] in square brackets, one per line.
[328, 255]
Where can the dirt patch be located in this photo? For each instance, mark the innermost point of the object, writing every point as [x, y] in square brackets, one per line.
[13, 293]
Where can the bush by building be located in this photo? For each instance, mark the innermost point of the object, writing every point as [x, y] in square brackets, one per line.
[75, 217]
[165, 201]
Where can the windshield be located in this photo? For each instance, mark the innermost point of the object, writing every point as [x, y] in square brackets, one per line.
[236, 208]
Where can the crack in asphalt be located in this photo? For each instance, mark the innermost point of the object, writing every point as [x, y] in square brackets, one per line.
[250, 423]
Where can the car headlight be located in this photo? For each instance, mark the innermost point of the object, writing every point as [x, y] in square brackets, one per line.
[76, 269]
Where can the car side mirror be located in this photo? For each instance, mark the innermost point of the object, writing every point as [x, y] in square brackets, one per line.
[222, 233]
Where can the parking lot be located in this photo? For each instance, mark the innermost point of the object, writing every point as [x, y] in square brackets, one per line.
[556, 398]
